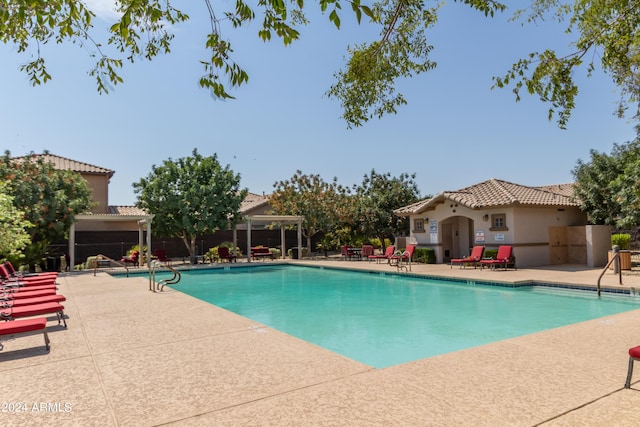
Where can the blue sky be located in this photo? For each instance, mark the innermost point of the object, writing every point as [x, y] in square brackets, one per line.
[453, 133]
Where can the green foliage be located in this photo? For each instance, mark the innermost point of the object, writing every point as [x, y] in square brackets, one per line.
[608, 186]
[623, 240]
[49, 198]
[606, 33]
[377, 198]
[13, 226]
[604, 30]
[378, 244]
[490, 253]
[305, 252]
[366, 89]
[322, 204]
[190, 196]
[424, 255]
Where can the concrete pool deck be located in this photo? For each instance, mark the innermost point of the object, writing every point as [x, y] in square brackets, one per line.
[131, 357]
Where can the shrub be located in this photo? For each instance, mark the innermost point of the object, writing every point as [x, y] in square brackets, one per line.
[490, 253]
[424, 255]
[376, 243]
[622, 239]
[290, 253]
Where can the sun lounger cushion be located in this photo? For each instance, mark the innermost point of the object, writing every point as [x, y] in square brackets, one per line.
[25, 325]
[28, 294]
[34, 310]
[35, 300]
[15, 288]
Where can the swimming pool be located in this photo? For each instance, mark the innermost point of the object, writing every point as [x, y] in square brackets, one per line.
[387, 319]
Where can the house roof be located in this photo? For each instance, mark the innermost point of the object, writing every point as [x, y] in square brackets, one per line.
[496, 193]
[63, 163]
[252, 201]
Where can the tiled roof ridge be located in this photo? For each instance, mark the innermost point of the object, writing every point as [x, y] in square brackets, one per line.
[52, 157]
[500, 185]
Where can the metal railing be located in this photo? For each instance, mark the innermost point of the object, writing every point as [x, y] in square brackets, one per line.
[102, 258]
[616, 267]
[159, 286]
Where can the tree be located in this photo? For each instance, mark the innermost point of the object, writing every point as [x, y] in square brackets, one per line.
[605, 29]
[191, 196]
[13, 226]
[377, 198]
[608, 186]
[50, 199]
[321, 203]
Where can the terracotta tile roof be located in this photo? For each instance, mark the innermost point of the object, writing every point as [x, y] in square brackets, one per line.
[62, 163]
[252, 201]
[125, 210]
[494, 193]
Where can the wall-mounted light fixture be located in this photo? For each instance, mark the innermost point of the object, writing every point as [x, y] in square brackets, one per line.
[485, 217]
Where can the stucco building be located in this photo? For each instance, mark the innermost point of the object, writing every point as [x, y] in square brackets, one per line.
[544, 224]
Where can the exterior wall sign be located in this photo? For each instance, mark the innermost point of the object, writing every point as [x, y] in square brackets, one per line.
[499, 237]
[433, 226]
[479, 236]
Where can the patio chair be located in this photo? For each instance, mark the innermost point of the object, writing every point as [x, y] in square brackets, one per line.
[25, 326]
[634, 354]
[26, 280]
[21, 293]
[12, 313]
[161, 255]
[503, 258]
[18, 274]
[223, 253]
[387, 254]
[474, 258]
[131, 259]
[399, 259]
[367, 250]
[18, 302]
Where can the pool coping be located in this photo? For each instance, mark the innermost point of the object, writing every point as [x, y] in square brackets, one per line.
[133, 357]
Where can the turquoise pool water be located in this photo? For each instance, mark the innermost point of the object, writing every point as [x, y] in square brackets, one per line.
[384, 320]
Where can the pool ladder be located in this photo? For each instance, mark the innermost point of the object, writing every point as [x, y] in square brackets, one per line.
[159, 286]
[615, 258]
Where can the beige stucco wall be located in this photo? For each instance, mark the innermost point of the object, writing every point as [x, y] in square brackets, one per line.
[99, 185]
[526, 230]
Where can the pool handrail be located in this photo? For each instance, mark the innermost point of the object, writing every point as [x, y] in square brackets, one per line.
[615, 257]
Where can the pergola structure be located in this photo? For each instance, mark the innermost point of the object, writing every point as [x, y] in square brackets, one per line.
[283, 220]
[142, 220]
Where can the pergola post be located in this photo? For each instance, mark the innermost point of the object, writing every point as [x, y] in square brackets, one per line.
[300, 239]
[248, 239]
[283, 243]
[283, 220]
[72, 247]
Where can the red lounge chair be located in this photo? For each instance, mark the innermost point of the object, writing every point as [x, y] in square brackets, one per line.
[346, 252]
[387, 254]
[18, 302]
[161, 255]
[474, 258]
[25, 326]
[367, 251]
[131, 259]
[15, 287]
[223, 253]
[503, 258]
[27, 280]
[34, 310]
[13, 273]
[634, 354]
[27, 293]
[399, 260]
